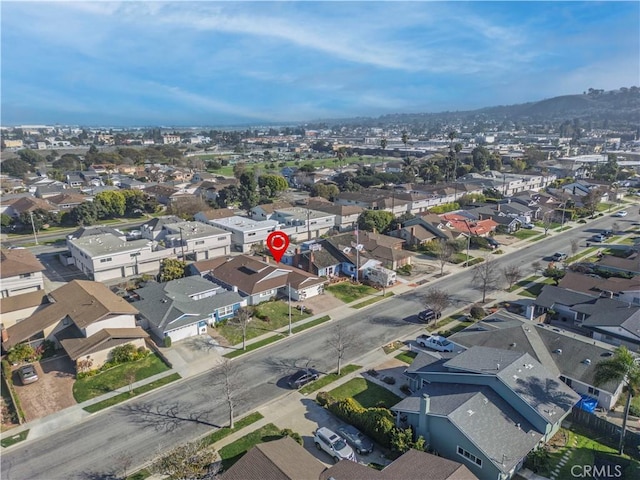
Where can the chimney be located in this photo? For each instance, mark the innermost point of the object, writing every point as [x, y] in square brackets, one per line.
[5, 335]
[413, 231]
[265, 258]
[311, 261]
[296, 257]
[425, 403]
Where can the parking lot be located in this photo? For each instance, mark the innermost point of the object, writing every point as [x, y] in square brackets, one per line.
[52, 392]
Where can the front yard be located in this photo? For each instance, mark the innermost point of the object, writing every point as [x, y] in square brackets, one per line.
[117, 377]
[349, 292]
[366, 393]
[274, 315]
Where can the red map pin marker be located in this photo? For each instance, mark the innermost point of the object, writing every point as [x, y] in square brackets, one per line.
[277, 243]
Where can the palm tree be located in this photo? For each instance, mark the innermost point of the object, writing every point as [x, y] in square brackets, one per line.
[405, 140]
[623, 367]
[409, 166]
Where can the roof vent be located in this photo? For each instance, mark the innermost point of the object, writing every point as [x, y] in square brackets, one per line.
[558, 351]
[513, 345]
[587, 361]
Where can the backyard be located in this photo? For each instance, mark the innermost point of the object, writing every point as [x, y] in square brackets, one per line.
[349, 292]
[268, 316]
[117, 377]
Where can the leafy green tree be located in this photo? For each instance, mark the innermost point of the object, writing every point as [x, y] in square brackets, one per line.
[172, 269]
[21, 353]
[68, 161]
[375, 220]
[247, 193]
[29, 156]
[554, 273]
[84, 214]
[480, 157]
[623, 367]
[229, 195]
[273, 184]
[40, 219]
[5, 220]
[134, 201]
[383, 143]
[111, 203]
[238, 169]
[324, 190]
[15, 167]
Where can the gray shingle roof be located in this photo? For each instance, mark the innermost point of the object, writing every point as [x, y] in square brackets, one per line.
[551, 295]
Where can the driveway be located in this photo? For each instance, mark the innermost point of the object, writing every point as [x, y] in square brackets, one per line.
[52, 392]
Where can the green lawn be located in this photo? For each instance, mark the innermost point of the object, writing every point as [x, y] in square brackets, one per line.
[457, 258]
[238, 425]
[231, 453]
[96, 407]
[277, 316]
[349, 292]
[311, 324]
[366, 393]
[534, 290]
[525, 234]
[539, 237]
[327, 379]
[116, 377]
[407, 357]
[254, 346]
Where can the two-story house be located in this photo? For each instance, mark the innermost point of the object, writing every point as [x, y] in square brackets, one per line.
[20, 272]
[245, 232]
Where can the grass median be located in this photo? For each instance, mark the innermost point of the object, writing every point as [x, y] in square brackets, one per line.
[372, 300]
[12, 440]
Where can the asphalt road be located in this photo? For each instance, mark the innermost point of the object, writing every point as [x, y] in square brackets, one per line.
[181, 411]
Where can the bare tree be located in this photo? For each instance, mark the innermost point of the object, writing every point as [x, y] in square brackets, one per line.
[130, 378]
[615, 227]
[241, 321]
[575, 246]
[591, 200]
[437, 300]
[124, 461]
[443, 252]
[547, 220]
[226, 376]
[485, 277]
[339, 340]
[537, 266]
[191, 461]
[512, 274]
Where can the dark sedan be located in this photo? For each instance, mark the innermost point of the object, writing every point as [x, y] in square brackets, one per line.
[302, 377]
[358, 441]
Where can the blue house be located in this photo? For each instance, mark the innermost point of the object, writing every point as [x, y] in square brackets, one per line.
[183, 308]
[485, 407]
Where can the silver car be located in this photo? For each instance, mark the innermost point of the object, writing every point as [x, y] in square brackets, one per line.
[27, 374]
[333, 444]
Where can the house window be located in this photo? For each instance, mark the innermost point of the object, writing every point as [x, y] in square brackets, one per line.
[251, 234]
[222, 239]
[133, 255]
[266, 293]
[469, 456]
[25, 275]
[105, 260]
[593, 391]
[199, 242]
[223, 312]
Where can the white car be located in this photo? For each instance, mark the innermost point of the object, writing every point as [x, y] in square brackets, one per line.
[435, 342]
[333, 444]
[621, 213]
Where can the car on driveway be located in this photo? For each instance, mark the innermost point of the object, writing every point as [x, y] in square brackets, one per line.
[358, 441]
[493, 243]
[27, 374]
[528, 226]
[302, 377]
[435, 342]
[621, 213]
[333, 444]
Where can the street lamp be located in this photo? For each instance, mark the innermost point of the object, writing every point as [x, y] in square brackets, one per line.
[289, 290]
[33, 225]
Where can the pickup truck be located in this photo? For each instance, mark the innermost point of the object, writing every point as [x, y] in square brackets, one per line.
[435, 342]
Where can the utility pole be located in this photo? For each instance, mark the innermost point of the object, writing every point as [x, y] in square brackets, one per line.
[289, 290]
[466, 222]
[308, 224]
[33, 225]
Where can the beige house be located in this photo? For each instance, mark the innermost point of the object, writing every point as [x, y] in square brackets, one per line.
[20, 272]
[84, 318]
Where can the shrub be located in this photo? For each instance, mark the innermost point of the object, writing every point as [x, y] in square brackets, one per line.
[124, 353]
[373, 372]
[478, 313]
[287, 432]
[21, 353]
[324, 398]
[582, 220]
[6, 371]
[48, 349]
[308, 310]
[167, 341]
[389, 380]
[405, 269]
[405, 389]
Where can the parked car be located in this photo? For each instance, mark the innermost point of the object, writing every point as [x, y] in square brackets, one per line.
[598, 238]
[621, 213]
[333, 444]
[435, 342]
[27, 374]
[607, 233]
[302, 377]
[358, 440]
[428, 315]
[493, 243]
[528, 226]
[559, 256]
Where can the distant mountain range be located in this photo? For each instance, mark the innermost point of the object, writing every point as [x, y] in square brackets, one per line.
[613, 108]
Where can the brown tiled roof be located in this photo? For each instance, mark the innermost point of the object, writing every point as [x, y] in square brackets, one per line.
[27, 204]
[420, 232]
[67, 198]
[24, 300]
[18, 261]
[103, 340]
[412, 465]
[282, 459]
[205, 266]
[271, 207]
[85, 302]
[162, 190]
[631, 264]
[328, 207]
[253, 276]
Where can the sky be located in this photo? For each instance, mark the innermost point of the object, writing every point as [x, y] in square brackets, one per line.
[233, 63]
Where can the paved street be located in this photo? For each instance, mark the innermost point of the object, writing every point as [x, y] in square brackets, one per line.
[87, 446]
